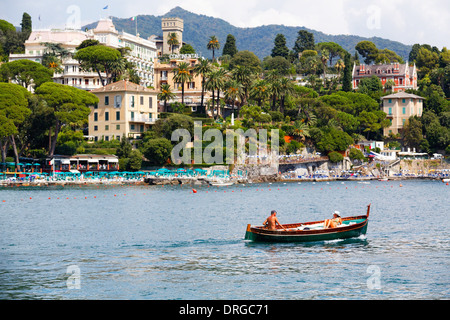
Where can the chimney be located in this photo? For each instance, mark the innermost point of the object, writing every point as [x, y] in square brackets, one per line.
[362, 69]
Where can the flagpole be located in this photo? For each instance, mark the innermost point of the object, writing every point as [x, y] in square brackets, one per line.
[136, 25]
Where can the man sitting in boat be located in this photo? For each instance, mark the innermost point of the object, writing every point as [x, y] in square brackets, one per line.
[333, 223]
[272, 221]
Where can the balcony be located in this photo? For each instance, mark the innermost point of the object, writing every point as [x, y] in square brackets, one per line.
[143, 119]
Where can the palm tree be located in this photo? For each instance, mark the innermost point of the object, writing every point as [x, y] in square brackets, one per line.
[243, 75]
[213, 44]
[233, 90]
[286, 88]
[273, 78]
[182, 74]
[166, 94]
[203, 67]
[259, 91]
[300, 129]
[216, 81]
[172, 40]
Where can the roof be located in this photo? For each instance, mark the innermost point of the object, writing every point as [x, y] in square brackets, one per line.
[382, 70]
[123, 85]
[65, 37]
[402, 95]
[105, 26]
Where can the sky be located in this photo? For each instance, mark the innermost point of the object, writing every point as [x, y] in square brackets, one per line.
[406, 21]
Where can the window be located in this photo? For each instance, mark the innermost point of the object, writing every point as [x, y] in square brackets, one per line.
[117, 115]
[95, 116]
[132, 127]
[86, 82]
[403, 100]
[132, 101]
[117, 126]
[117, 101]
[106, 100]
[132, 115]
[404, 120]
[390, 111]
[106, 116]
[150, 102]
[141, 100]
[95, 128]
[107, 127]
[390, 100]
[106, 138]
[404, 110]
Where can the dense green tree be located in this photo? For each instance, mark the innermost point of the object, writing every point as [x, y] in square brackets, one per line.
[98, 58]
[277, 63]
[367, 50]
[247, 59]
[280, 48]
[68, 105]
[305, 41]
[157, 151]
[187, 49]
[13, 112]
[25, 72]
[230, 46]
[26, 25]
[334, 50]
[333, 139]
[371, 86]
[88, 43]
[164, 127]
[426, 61]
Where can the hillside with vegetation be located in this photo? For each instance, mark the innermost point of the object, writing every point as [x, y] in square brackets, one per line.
[322, 113]
[198, 28]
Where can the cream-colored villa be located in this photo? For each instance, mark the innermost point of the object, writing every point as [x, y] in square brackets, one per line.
[399, 107]
[124, 108]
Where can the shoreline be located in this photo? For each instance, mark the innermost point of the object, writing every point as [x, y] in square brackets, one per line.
[200, 181]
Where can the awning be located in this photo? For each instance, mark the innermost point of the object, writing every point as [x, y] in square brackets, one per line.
[92, 160]
[113, 160]
[65, 161]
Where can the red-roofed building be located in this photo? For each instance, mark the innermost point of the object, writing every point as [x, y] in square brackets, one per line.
[403, 75]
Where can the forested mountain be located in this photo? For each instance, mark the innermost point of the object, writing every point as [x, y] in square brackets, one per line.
[260, 40]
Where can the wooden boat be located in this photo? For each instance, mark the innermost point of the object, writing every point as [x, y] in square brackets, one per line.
[310, 231]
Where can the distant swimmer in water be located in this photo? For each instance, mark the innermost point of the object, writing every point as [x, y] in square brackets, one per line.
[333, 223]
[272, 221]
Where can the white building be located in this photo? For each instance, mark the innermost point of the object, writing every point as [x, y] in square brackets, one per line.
[142, 54]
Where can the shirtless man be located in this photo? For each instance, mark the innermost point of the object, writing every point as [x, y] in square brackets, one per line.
[272, 221]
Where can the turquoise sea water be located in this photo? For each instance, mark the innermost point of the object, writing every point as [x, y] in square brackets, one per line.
[155, 242]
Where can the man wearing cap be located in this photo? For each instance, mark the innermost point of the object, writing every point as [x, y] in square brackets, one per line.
[272, 221]
[333, 223]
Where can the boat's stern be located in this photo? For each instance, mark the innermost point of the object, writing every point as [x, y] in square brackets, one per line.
[248, 233]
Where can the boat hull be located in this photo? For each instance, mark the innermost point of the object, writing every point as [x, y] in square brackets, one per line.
[304, 236]
[351, 227]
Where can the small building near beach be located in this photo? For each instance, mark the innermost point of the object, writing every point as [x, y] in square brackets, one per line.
[124, 108]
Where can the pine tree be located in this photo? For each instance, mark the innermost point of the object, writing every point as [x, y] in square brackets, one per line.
[26, 25]
[280, 48]
[230, 46]
[305, 41]
[347, 80]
